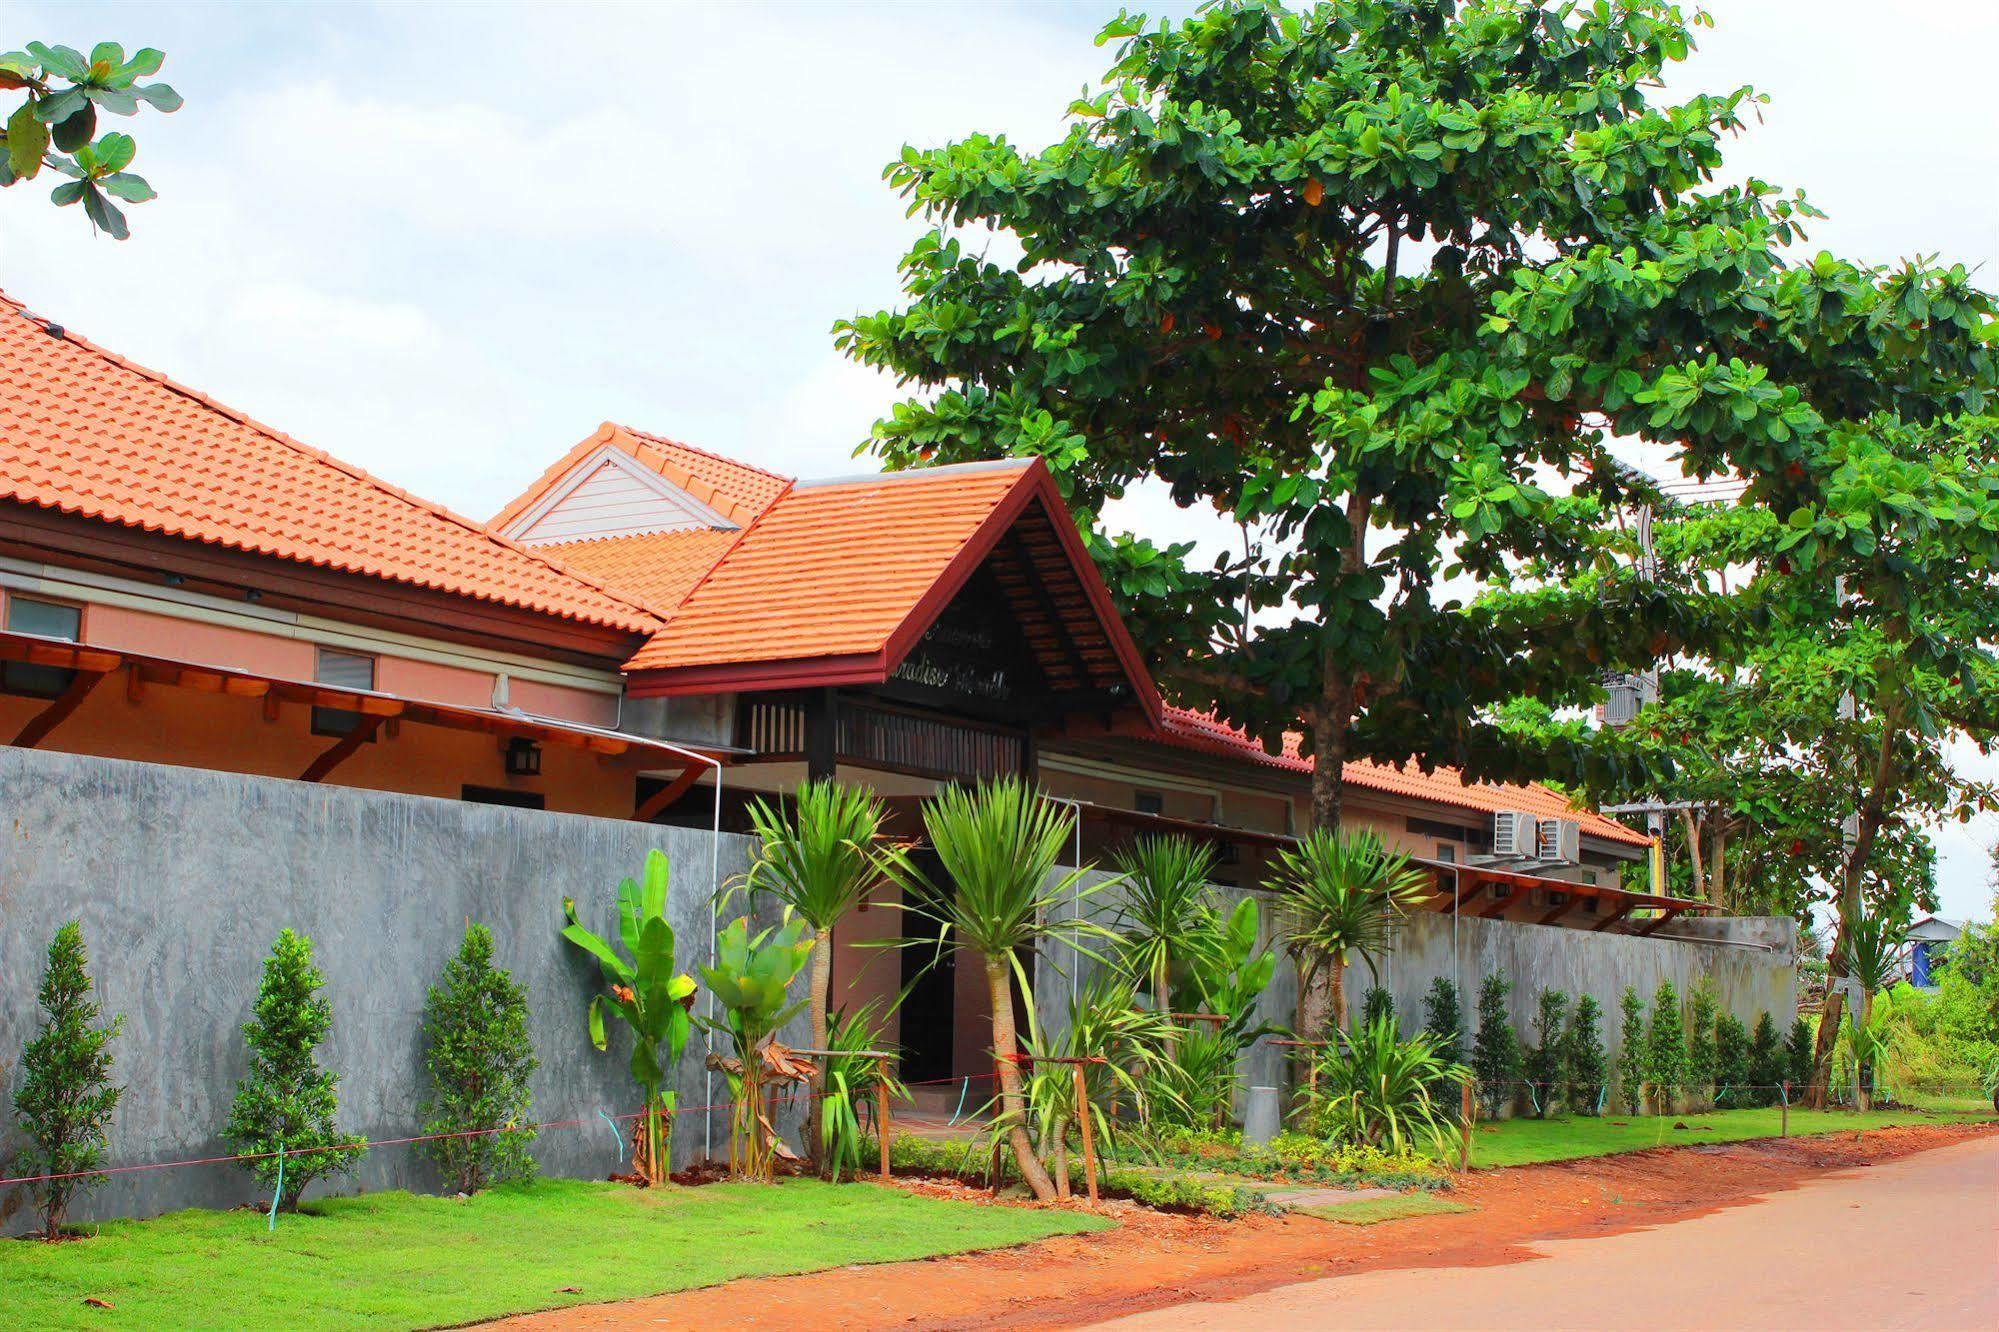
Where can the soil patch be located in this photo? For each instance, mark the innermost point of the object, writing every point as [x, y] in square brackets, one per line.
[1154, 1259]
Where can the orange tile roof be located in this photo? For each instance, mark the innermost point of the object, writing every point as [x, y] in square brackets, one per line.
[1445, 786]
[834, 569]
[86, 432]
[659, 568]
[736, 490]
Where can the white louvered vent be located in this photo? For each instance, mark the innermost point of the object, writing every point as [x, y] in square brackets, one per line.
[1513, 834]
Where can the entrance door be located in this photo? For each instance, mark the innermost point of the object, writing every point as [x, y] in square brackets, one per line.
[929, 1013]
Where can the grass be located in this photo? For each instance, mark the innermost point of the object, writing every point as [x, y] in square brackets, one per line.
[1524, 1141]
[399, 1260]
[1373, 1211]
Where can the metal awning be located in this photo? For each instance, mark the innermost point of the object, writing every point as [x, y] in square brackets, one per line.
[1466, 880]
[93, 665]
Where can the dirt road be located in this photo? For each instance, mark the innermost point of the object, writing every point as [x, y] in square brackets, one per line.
[1154, 1261]
[1913, 1243]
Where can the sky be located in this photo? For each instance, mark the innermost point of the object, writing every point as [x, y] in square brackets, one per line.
[445, 241]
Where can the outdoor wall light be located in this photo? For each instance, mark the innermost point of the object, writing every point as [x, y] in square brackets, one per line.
[523, 758]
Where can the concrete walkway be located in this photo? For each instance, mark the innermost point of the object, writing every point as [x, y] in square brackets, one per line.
[1912, 1243]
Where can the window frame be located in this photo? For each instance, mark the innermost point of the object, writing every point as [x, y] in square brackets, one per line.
[24, 679]
[337, 722]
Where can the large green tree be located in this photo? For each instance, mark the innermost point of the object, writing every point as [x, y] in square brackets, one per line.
[1297, 266]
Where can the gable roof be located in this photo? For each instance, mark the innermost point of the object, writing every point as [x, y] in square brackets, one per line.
[88, 433]
[1444, 786]
[735, 490]
[836, 581]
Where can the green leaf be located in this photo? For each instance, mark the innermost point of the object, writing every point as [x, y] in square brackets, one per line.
[67, 193]
[596, 1021]
[103, 214]
[61, 60]
[146, 60]
[27, 140]
[114, 153]
[58, 107]
[159, 96]
[118, 101]
[72, 134]
[107, 53]
[130, 188]
[614, 967]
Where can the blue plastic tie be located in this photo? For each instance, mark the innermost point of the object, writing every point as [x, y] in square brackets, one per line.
[963, 1092]
[1602, 1096]
[616, 1136]
[271, 1223]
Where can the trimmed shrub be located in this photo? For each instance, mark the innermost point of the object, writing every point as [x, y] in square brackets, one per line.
[283, 1115]
[1666, 1047]
[1798, 1052]
[1495, 1054]
[1542, 1061]
[479, 1059]
[66, 1098]
[1631, 1052]
[1377, 1004]
[1583, 1067]
[1443, 1018]
[1703, 1068]
[1766, 1061]
[1731, 1059]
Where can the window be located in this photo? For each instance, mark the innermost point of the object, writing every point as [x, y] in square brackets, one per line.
[341, 670]
[1447, 852]
[48, 619]
[496, 795]
[1149, 802]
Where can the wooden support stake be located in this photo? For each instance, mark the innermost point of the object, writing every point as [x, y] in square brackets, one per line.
[1469, 1103]
[1784, 1115]
[881, 1112]
[1089, 1133]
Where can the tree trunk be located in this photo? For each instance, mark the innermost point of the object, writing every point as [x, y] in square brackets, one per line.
[1013, 1106]
[822, 997]
[1693, 830]
[1336, 990]
[1718, 869]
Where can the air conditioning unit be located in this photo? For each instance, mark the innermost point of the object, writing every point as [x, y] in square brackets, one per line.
[1622, 699]
[1561, 839]
[1513, 833]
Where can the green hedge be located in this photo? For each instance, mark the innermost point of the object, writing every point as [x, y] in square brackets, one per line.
[970, 1162]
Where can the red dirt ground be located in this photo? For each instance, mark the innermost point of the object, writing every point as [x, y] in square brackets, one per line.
[1153, 1259]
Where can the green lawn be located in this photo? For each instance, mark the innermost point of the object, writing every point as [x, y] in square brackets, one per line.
[1523, 1141]
[398, 1260]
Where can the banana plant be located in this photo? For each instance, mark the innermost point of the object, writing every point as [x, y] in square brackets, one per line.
[752, 979]
[644, 990]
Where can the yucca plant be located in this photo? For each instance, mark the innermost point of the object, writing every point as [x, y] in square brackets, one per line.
[1868, 954]
[999, 844]
[751, 979]
[818, 856]
[1165, 908]
[1337, 896]
[1106, 1024]
[649, 995]
[1223, 976]
[850, 1078]
[1382, 1091]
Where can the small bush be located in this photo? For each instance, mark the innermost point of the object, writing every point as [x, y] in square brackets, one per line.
[1542, 1061]
[970, 1162]
[1495, 1055]
[1798, 1053]
[66, 1097]
[1377, 1004]
[1443, 1018]
[1583, 1068]
[1631, 1052]
[479, 1059]
[1386, 1092]
[1666, 1047]
[284, 1107]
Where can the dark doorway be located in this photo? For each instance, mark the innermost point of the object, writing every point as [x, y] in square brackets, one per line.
[930, 1012]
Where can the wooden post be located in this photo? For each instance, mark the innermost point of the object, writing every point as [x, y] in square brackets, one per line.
[1468, 1104]
[1089, 1133]
[881, 1112]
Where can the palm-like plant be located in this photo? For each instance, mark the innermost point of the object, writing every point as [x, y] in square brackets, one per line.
[1868, 953]
[820, 859]
[1381, 1091]
[1336, 895]
[999, 844]
[1166, 898]
[1130, 1047]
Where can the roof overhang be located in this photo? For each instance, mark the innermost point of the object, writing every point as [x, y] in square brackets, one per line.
[93, 664]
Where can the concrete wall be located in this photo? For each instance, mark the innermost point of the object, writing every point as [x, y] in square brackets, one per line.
[1750, 961]
[182, 877]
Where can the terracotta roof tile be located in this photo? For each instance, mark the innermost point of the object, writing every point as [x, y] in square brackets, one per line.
[86, 432]
[658, 568]
[831, 569]
[1445, 786]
